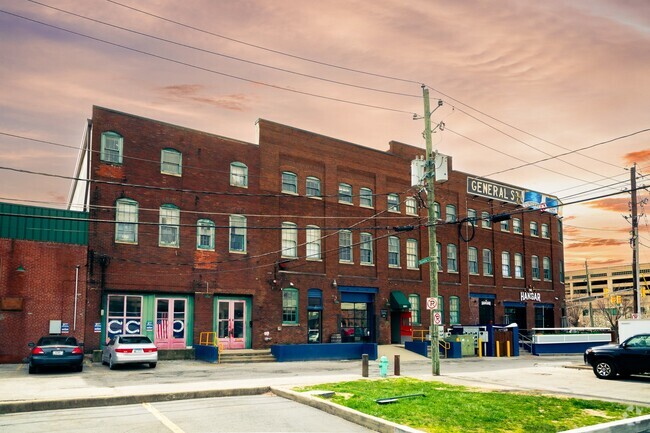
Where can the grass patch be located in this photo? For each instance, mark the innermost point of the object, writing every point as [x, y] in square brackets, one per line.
[458, 409]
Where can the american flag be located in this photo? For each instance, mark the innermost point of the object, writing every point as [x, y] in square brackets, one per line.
[161, 328]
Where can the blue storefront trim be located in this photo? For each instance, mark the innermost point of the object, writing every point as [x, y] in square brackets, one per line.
[323, 352]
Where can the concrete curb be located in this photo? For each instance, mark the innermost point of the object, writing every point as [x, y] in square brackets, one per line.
[639, 424]
[120, 400]
[368, 421]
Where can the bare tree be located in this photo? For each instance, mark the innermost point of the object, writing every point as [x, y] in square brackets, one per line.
[613, 312]
[573, 313]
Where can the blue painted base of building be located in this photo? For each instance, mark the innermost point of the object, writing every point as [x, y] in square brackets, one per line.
[422, 348]
[562, 348]
[323, 352]
[206, 353]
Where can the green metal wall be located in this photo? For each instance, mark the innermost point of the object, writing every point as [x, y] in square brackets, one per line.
[43, 224]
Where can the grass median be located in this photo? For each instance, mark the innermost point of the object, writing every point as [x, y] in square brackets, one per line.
[437, 407]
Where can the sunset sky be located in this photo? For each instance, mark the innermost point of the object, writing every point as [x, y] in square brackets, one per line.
[520, 81]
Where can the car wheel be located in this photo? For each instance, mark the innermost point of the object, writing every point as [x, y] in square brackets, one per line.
[32, 369]
[604, 369]
[152, 364]
[111, 363]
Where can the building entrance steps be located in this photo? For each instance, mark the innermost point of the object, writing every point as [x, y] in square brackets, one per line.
[246, 356]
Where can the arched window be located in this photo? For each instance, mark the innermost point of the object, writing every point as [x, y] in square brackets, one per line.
[289, 239]
[365, 246]
[393, 252]
[452, 258]
[289, 306]
[345, 246]
[205, 235]
[393, 202]
[345, 193]
[411, 206]
[472, 258]
[239, 174]
[126, 221]
[505, 264]
[450, 213]
[289, 182]
[454, 310]
[487, 262]
[414, 300]
[169, 226]
[237, 236]
[534, 262]
[313, 243]
[412, 254]
[365, 197]
[313, 186]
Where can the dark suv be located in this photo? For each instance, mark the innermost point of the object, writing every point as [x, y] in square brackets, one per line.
[629, 357]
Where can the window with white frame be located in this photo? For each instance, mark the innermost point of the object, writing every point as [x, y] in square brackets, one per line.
[393, 252]
[290, 306]
[365, 197]
[414, 300]
[412, 253]
[171, 162]
[169, 226]
[365, 246]
[505, 264]
[452, 258]
[471, 217]
[472, 257]
[454, 310]
[505, 225]
[534, 231]
[393, 202]
[487, 262]
[545, 233]
[436, 210]
[313, 242]
[237, 235]
[238, 174]
[534, 262]
[439, 251]
[126, 221]
[411, 206]
[205, 235]
[289, 182]
[516, 226]
[486, 221]
[450, 213]
[345, 193]
[546, 264]
[345, 246]
[519, 265]
[289, 239]
[313, 186]
[111, 148]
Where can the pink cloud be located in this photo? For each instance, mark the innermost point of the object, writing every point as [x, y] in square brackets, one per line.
[192, 92]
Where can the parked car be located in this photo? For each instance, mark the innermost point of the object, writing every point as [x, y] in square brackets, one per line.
[130, 349]
[56, 351]
[630, 357]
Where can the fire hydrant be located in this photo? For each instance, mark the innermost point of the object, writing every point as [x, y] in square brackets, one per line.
[383, 366]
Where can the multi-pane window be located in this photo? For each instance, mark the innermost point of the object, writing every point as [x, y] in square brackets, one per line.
[436, 210]
[546, 264]
[486, 222]
[534, 231]
[205, 235]
[345, 246]
[238, 174]
[411, 206]
[414, 300]
[441, 308]
[345, 193]
[454, 310]
[289, 306]
[126, 221]
[237, 233]
[412, 253]
[472, 257]
[169, 229]
[439, 251]
[519, 265]
[365, 197]
[561, 269]
[452, 258]
[559, 230]
[487, 262]
[171, 162]
[313, 242]
[505, 264]
[534, 262]
[545, 233]
[516, 225]
[393, 251]
[505, 225]
[365, 247]
[289, 182]
[471, 216]
[450, 213]
[124, 315]
[393, 202]
[111, 148]
[289, 239]
[313, 186]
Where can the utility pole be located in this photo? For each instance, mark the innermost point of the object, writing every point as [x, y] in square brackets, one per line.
[431, 224]
[635, 244]
[591, 310]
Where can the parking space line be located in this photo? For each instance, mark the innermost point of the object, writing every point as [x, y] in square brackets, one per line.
[163, 419]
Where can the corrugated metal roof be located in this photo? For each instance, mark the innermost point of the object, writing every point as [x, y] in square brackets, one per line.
[43, 224]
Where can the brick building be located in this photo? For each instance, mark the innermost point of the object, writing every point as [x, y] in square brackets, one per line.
[42, 276]
[300, 238]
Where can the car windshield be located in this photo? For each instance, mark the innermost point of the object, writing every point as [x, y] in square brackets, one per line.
[135, 340]
[57, 341]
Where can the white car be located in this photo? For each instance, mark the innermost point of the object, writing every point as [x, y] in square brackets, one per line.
[130, 349]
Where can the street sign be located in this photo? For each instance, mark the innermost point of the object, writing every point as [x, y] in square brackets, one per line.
[424, 260]
[437, 318]
[432, 303]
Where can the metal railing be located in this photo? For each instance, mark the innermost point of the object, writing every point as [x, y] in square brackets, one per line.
[210, 339]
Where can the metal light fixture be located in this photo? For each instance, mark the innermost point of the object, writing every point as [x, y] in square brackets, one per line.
[20, 268]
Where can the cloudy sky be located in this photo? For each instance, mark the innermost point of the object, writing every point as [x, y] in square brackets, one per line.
[521, 82]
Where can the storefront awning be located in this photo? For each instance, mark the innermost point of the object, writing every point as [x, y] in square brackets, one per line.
[399, 301]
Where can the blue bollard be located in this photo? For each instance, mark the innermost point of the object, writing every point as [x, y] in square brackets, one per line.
[383, 366]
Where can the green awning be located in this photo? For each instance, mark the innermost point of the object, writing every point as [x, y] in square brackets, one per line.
[399, 301]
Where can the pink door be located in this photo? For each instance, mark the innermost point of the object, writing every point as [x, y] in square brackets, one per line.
[231, 329]
[170, 323]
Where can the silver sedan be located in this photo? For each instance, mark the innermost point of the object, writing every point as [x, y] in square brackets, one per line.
[130, 349]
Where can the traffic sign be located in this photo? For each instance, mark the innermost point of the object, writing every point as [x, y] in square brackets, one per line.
[432, 303]
[437, 318]
[424, 260]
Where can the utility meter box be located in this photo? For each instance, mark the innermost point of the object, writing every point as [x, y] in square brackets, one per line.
[55, 326]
